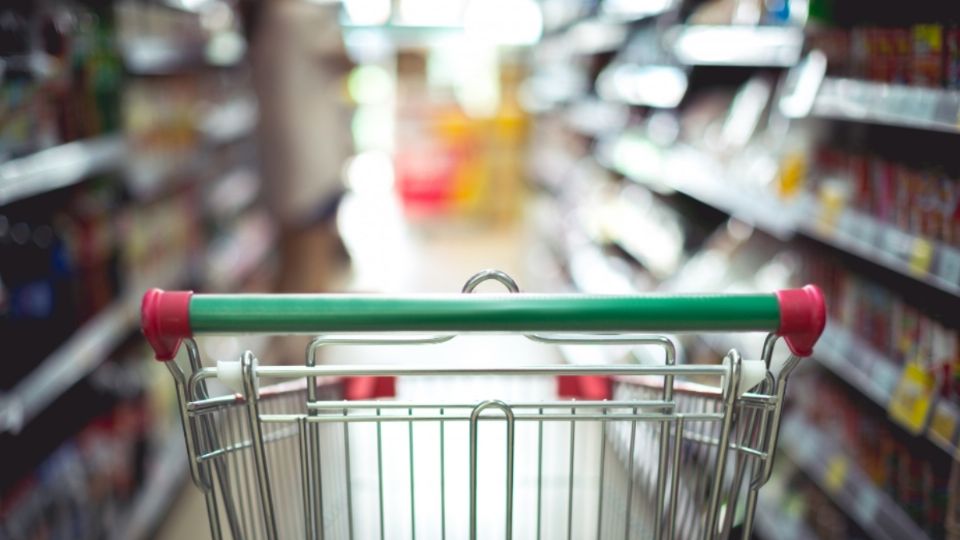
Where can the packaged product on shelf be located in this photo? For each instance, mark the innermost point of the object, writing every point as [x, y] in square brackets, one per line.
[62, 86]
[160, 119]
[952, 55]
[928, 55]
[160, 238]
[18, 85]
[916, 47]
[91, 226]
[920, 200]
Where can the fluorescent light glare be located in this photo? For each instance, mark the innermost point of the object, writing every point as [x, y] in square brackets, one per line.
[504, 22]
[367, 12]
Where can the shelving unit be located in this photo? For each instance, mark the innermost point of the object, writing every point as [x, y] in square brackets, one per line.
[164, 56]
[165, 476]
[223, 124]
[772, 524]
[847, 485]
[740, 180]
[230, 121]
[236, 257]
[628, 11]
[889, 104]
[876, 376]
[858, 364]
[77, 357]
[182, 98]
[596, 118]
[698, 177]
[737, 46]
[907, 254]
[688, 171]
[60, 166]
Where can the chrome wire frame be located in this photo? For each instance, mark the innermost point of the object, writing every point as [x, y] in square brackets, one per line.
[662, 458]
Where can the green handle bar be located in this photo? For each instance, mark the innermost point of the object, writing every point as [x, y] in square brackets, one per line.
[168, 317]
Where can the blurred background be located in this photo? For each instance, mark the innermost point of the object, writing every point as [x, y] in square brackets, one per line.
[599, 146]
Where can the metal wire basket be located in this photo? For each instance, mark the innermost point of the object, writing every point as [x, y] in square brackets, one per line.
[500, 451]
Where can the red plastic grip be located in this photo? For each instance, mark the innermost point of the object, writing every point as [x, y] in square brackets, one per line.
[586, 387]
[165, 321]
[358, 388]
[803, 315]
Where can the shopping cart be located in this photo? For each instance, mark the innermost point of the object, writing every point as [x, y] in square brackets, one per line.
[613, 450]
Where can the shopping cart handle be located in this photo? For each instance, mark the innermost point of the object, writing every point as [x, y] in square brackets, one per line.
[798, 315]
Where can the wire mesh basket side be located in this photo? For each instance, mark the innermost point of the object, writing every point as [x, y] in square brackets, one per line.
[227, 447]
[692, 464]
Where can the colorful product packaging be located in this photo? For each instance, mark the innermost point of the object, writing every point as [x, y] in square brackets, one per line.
[928, 55]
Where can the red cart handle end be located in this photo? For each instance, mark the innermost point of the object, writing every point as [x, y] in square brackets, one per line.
[165, 321]
[803, 315]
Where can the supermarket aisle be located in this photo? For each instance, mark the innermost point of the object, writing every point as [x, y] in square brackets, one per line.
[673, 146]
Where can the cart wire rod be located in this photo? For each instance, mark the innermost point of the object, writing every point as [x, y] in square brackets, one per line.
[288, 433]
[651, 417]
[296, 372]
[603, 404]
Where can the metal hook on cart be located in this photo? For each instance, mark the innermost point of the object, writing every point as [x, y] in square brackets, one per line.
[487, 275]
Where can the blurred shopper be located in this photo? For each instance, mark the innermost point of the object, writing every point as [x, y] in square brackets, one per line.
[299, 65]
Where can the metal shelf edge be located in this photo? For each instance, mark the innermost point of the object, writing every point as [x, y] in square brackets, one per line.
[932, 109]
[828, 355]
[833, 237]
[743, 46]
[771, 523]
[148, 56]
[59, 166]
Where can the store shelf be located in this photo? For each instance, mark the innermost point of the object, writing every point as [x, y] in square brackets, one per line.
[689, 172]
[736, 46]
[773, 524]
[845, 483]
[75, 358]
[595, 118]
[156, 56]
[236, 256]
[60, 166]
[595, 36]
[874, 375]
[635, 10]
[152, 175]
[166, 56]
[230, 121]
[164, 478]
[885, 245]
[655, 86]
[889, 104]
